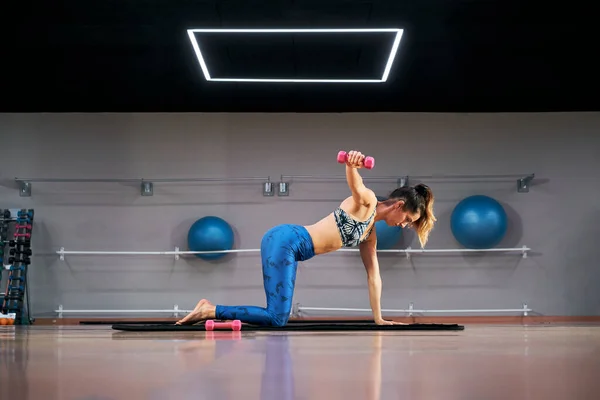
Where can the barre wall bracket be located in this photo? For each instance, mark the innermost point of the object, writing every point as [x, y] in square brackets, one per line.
[524, 183]
[25, 189]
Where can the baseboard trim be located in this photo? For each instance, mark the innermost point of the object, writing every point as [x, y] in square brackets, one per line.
[512, 320]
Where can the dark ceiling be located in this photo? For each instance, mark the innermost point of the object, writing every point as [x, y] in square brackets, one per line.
[454, 56]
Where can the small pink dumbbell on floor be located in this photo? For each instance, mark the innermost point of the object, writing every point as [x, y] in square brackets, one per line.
[234, 325]
[369, 162]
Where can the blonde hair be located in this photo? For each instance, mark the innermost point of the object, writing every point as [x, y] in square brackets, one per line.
[420, 199]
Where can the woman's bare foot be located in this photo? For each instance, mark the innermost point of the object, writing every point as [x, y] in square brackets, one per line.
[204, 310]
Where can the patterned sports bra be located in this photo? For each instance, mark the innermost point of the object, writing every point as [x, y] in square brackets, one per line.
[351, 230]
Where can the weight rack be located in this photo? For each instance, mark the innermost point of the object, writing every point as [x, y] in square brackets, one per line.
[14, 298]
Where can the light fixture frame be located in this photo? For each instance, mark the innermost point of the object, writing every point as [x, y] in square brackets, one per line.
[386, 72]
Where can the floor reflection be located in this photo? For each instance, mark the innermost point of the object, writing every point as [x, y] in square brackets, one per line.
[480, 363]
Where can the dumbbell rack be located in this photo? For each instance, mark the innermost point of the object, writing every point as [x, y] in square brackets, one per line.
[16, 224]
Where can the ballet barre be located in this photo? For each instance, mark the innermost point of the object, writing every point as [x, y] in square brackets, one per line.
[175, 311]
[62, 252]
[177, 252]
[298, 309]
[146, 184]
[523, 180]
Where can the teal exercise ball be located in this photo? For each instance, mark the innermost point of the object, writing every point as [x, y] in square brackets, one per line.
[387, 236]
[210, 234]
[478, 222]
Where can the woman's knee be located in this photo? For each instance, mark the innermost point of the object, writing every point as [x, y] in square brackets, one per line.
[278, 320]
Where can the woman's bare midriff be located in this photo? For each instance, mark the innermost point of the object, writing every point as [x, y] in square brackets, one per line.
[325, 234]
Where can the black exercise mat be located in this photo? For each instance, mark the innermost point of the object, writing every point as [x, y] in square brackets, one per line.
[120, 321]
[163, 322]
[315, 326]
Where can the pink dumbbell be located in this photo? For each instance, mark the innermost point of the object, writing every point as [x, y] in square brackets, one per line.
[369, 162]
[234, 325]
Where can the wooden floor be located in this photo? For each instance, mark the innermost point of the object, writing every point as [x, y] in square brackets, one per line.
[479, 363]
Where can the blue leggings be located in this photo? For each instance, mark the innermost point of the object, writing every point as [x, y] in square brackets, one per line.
[281, 249]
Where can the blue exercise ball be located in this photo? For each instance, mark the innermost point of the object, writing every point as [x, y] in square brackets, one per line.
[478, 222]
[210, 234]
[387, 236]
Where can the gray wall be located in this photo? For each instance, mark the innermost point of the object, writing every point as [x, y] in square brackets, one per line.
[558, 218]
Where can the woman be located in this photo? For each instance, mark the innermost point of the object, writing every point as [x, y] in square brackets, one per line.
[352, 224]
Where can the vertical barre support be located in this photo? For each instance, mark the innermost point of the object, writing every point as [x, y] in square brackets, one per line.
[283, 189]
[403, 181]
[525, 313]
[147, 188]
[295, 310]
[524, 183]
[268, 190]
[25, 189]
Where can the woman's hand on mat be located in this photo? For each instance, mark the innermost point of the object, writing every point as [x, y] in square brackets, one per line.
[384, 322]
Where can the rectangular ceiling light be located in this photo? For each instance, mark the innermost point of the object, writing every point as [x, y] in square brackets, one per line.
[384, 76]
